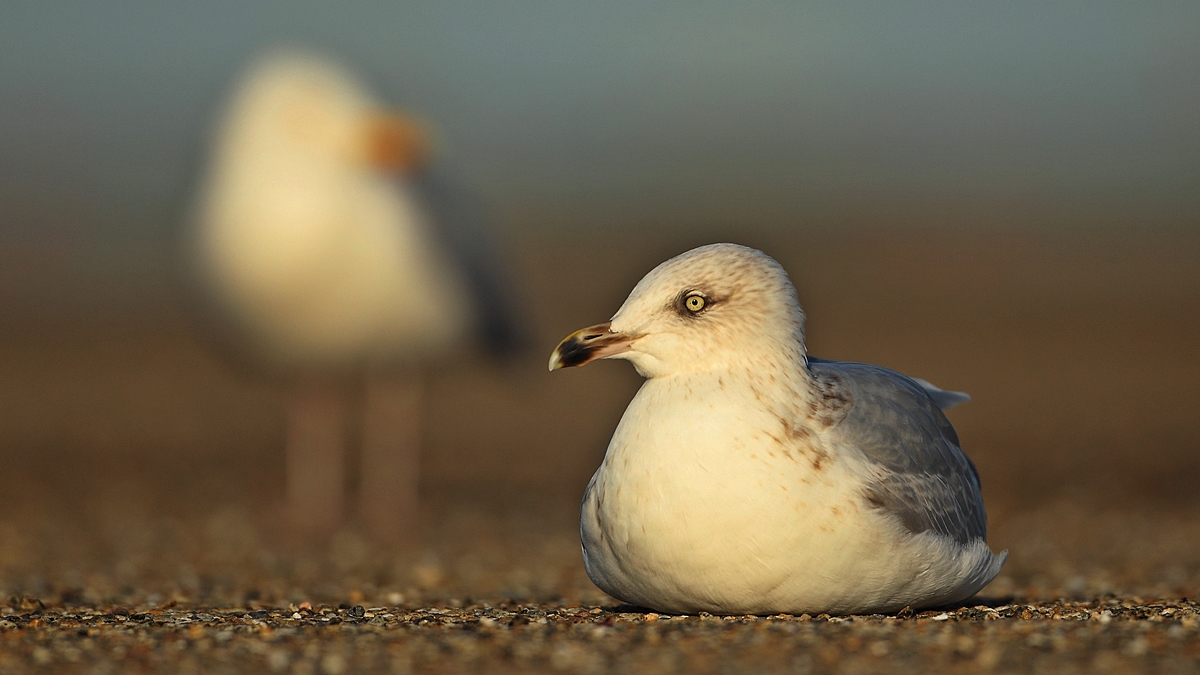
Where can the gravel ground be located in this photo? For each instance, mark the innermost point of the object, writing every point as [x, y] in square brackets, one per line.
[1085, 590]
[1111, 635]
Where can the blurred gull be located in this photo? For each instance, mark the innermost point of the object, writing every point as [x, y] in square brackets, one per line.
[747, 478]
[329, 246]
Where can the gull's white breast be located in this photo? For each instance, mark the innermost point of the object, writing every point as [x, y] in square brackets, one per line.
[333, 264]
[703, 503]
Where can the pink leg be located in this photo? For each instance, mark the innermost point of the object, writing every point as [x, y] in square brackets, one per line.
[316, 457]
[391, 448]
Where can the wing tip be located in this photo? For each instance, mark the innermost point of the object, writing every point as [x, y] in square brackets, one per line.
[942, 398]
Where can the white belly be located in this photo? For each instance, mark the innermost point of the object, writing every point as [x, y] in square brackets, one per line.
[689, 512]
[330, 267]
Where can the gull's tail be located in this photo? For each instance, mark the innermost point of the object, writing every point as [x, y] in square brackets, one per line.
[942, 398]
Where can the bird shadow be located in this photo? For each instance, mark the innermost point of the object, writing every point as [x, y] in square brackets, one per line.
[905, 613]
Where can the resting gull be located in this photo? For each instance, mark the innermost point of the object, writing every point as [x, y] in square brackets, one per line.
[331, 246]
[748, 478]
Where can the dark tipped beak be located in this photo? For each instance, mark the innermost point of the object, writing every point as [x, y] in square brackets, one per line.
[587, 345]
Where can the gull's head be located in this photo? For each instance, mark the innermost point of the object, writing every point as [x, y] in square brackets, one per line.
[305, 110]
[715, 307]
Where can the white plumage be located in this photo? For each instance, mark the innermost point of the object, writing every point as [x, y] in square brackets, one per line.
[746, 478]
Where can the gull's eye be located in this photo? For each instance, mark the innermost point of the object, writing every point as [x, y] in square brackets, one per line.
[694, 303]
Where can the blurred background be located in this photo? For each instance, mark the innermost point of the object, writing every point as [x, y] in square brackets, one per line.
[1003, 200]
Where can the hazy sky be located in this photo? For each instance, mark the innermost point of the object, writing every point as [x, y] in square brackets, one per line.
[582, 112]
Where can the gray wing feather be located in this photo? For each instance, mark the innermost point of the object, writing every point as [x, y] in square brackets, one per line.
[924, 479]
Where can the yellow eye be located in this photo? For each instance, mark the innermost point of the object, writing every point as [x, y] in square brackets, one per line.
[694, 303]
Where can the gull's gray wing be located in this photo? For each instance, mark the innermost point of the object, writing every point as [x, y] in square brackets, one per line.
[460, 224]
[923, 477]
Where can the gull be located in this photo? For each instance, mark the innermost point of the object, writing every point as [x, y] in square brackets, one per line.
[330, 246]
[748, 478]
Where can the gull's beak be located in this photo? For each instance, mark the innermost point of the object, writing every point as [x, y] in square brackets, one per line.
[397, 143]
[589, 344]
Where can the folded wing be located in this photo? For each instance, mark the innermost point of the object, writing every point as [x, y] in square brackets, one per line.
[920, 474]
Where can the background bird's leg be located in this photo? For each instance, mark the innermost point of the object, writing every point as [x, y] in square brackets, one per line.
[393, 407]
[316, 457]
